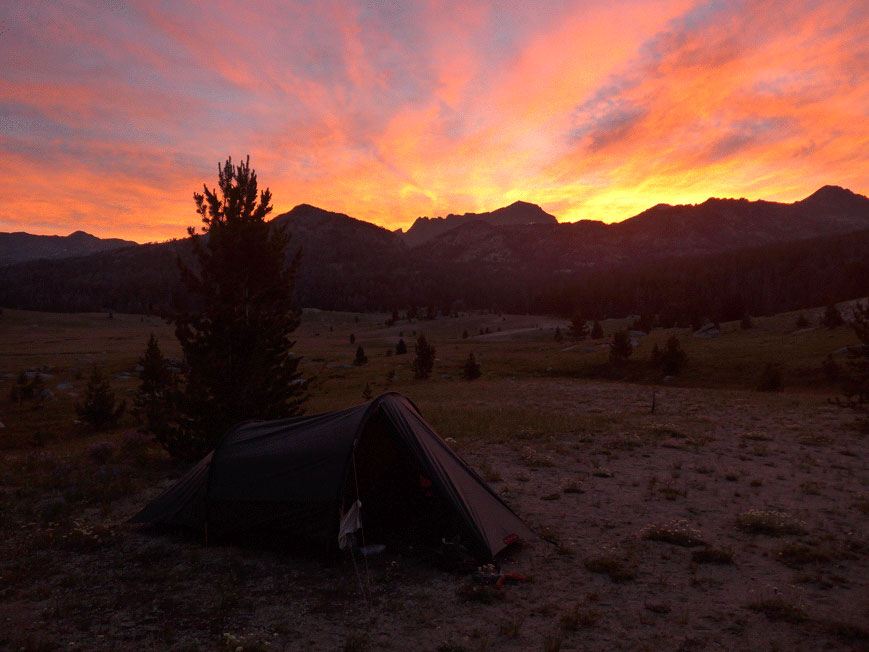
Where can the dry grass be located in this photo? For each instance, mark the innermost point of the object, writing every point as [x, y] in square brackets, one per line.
[587, 446]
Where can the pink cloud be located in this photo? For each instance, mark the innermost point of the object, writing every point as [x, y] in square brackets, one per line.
[391, 111]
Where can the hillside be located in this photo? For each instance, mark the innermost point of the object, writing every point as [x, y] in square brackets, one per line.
[20, 247]
[520, 212]
[715, 256]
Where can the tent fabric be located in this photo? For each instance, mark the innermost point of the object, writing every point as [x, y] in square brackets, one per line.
[300, 475]
[350, 524]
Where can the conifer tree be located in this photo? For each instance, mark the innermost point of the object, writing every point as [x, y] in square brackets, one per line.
[37, 389]
[99, 409]
[673, 358]
[400, 348]
[832, 317]
[855, 382]
[596, 330]
[237, 344]
[423, 363]
[361, 358]
[578, 326]
[621, 347]
[21, 390]
[471, 370]
[156, 401]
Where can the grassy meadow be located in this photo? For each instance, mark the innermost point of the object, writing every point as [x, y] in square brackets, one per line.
[727, 517]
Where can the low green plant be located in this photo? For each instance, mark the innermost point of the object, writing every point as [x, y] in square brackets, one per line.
[677, 533]
[769, 522]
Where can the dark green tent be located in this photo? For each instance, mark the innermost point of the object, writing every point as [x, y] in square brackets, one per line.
[298, 477]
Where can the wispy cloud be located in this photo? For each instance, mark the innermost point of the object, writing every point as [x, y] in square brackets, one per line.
[112, 114]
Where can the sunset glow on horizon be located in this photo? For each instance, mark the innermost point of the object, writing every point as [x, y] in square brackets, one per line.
[113, 113]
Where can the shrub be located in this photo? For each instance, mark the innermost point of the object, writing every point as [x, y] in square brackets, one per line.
[613, 567]
[101, 452]
[770, 379]
[578, 618]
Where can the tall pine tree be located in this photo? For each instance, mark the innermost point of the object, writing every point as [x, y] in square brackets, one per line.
[236, 344]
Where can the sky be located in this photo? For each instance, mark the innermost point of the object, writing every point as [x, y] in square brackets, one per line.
[112, 114]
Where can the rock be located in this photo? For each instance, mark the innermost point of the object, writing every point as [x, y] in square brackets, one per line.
[707, 331]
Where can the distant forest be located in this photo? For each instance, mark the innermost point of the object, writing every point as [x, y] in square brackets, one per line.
[722, 286]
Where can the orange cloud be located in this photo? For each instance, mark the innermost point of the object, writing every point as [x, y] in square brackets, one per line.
[113, 118]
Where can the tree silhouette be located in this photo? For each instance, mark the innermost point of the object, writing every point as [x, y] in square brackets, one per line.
[471, 370]
[578, 326]
[423, 363]
[400, 348]
[596, 330]
[621, 347]
[855, 384]
[361, 358]
[832, 317]
[156, 401]
[237, 345]
[99, 410]
[558, 336]
[673, 358]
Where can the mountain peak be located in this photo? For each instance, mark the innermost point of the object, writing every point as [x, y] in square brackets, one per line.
[517, 213]
[831, 193]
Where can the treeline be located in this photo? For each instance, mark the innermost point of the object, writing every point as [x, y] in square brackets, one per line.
[727, 286]
[723, 286]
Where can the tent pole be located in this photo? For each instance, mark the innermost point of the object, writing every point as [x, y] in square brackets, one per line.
[359, 498]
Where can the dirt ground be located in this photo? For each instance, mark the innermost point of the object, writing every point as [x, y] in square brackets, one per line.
[725, 520]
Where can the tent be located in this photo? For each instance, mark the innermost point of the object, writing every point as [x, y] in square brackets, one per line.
[301, 477]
